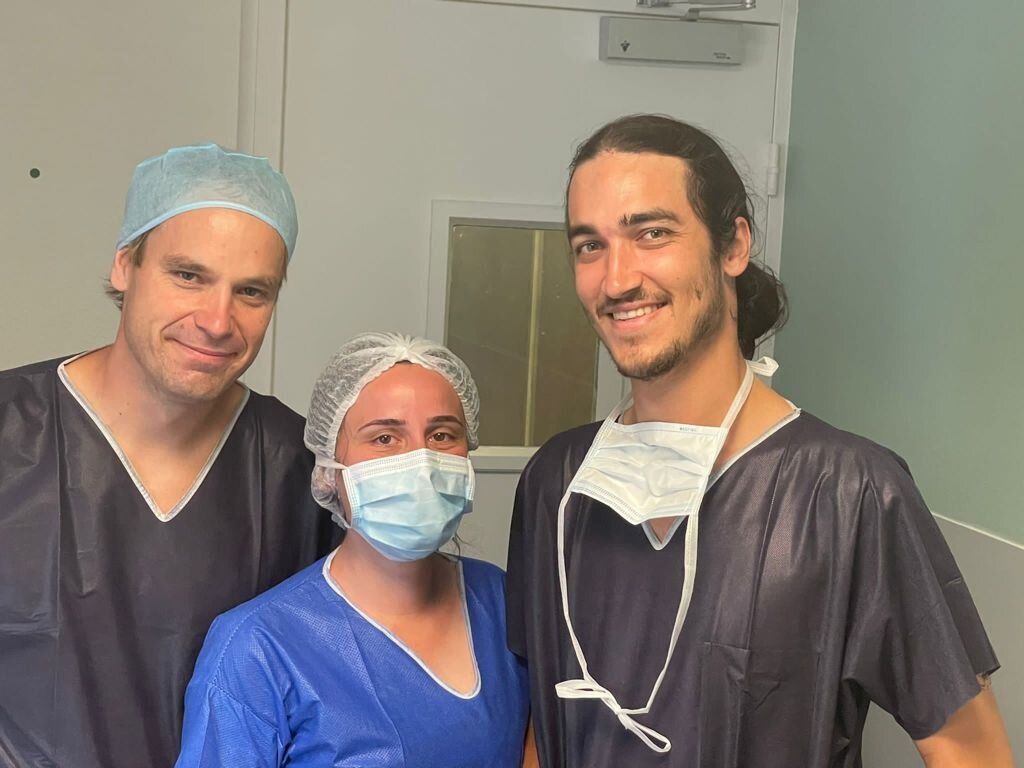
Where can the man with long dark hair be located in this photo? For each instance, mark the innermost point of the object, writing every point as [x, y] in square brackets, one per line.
[711, 577]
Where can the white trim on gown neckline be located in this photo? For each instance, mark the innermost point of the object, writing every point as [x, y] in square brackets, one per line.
[402, 646]
[160, 515]
[660, 544]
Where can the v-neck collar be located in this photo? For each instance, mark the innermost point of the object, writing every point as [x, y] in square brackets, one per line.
[336, 588]
[160, 515]
[660, 544]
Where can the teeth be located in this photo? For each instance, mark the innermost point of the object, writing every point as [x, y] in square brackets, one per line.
[633, 313]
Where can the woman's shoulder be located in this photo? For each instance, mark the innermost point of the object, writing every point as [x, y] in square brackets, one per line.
[481, 571]
[239, 637]
[486, 581]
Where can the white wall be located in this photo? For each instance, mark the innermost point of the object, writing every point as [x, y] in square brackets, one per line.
[766, 11]
[86, 91]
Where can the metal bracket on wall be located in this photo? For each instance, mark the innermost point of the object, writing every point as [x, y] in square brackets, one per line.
[714, 6]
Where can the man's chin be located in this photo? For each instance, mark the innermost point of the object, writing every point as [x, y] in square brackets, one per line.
[199, 389]
[643, 367]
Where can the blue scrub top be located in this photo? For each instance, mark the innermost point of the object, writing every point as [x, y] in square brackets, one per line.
[300, 677]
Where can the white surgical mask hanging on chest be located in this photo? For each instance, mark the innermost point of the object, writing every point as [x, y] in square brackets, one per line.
[646, 471]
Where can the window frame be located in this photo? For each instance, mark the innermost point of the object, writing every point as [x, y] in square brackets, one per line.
[444, 214]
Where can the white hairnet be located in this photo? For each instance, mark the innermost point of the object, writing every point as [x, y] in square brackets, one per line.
[356, 364]
[207, 176]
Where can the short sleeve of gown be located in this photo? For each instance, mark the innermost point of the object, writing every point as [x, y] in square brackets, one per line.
[222, 731]
[915, 642]
[233, 712]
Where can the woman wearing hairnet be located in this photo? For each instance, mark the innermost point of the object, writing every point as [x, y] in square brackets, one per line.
[385, 653]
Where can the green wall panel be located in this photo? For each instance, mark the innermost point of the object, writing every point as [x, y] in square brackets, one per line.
[903, 247]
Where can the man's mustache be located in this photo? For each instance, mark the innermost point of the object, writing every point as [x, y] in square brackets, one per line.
[636, 295]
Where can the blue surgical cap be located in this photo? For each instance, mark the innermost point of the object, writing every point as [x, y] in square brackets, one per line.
[207, 176]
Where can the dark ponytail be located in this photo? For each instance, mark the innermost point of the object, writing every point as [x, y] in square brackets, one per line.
[761, 306]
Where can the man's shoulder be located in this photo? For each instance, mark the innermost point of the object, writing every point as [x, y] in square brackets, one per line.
[275, 417]
[849, 469]
[27, 383]
[568, 447]
[811, 436]
[30, 372]
[583, 435]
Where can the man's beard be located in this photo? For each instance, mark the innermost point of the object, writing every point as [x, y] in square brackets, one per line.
[706, 326]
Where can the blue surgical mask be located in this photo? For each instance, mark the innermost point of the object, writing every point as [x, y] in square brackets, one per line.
[408, 506]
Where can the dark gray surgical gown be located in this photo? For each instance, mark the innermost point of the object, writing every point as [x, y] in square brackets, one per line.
[103, 607]
[823, 584]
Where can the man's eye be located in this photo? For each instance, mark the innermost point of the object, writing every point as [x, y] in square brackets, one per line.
[383, 439]
[253, 293]
[655, 234]
[584, 248]
[441, 437]
[188, 277]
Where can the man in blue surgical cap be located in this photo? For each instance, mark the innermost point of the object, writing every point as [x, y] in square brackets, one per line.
[143, 489]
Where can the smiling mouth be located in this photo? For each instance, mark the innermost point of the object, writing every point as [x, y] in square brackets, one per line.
[632, 314]
[207, 352]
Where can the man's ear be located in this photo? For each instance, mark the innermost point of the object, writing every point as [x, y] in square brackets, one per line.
[737, 257]
[121, 269]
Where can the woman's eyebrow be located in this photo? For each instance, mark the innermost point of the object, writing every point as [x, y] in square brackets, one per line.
[447, 419]
[383, 423]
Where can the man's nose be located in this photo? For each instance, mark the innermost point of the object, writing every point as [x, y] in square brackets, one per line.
[623, 270]
[215, 315]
